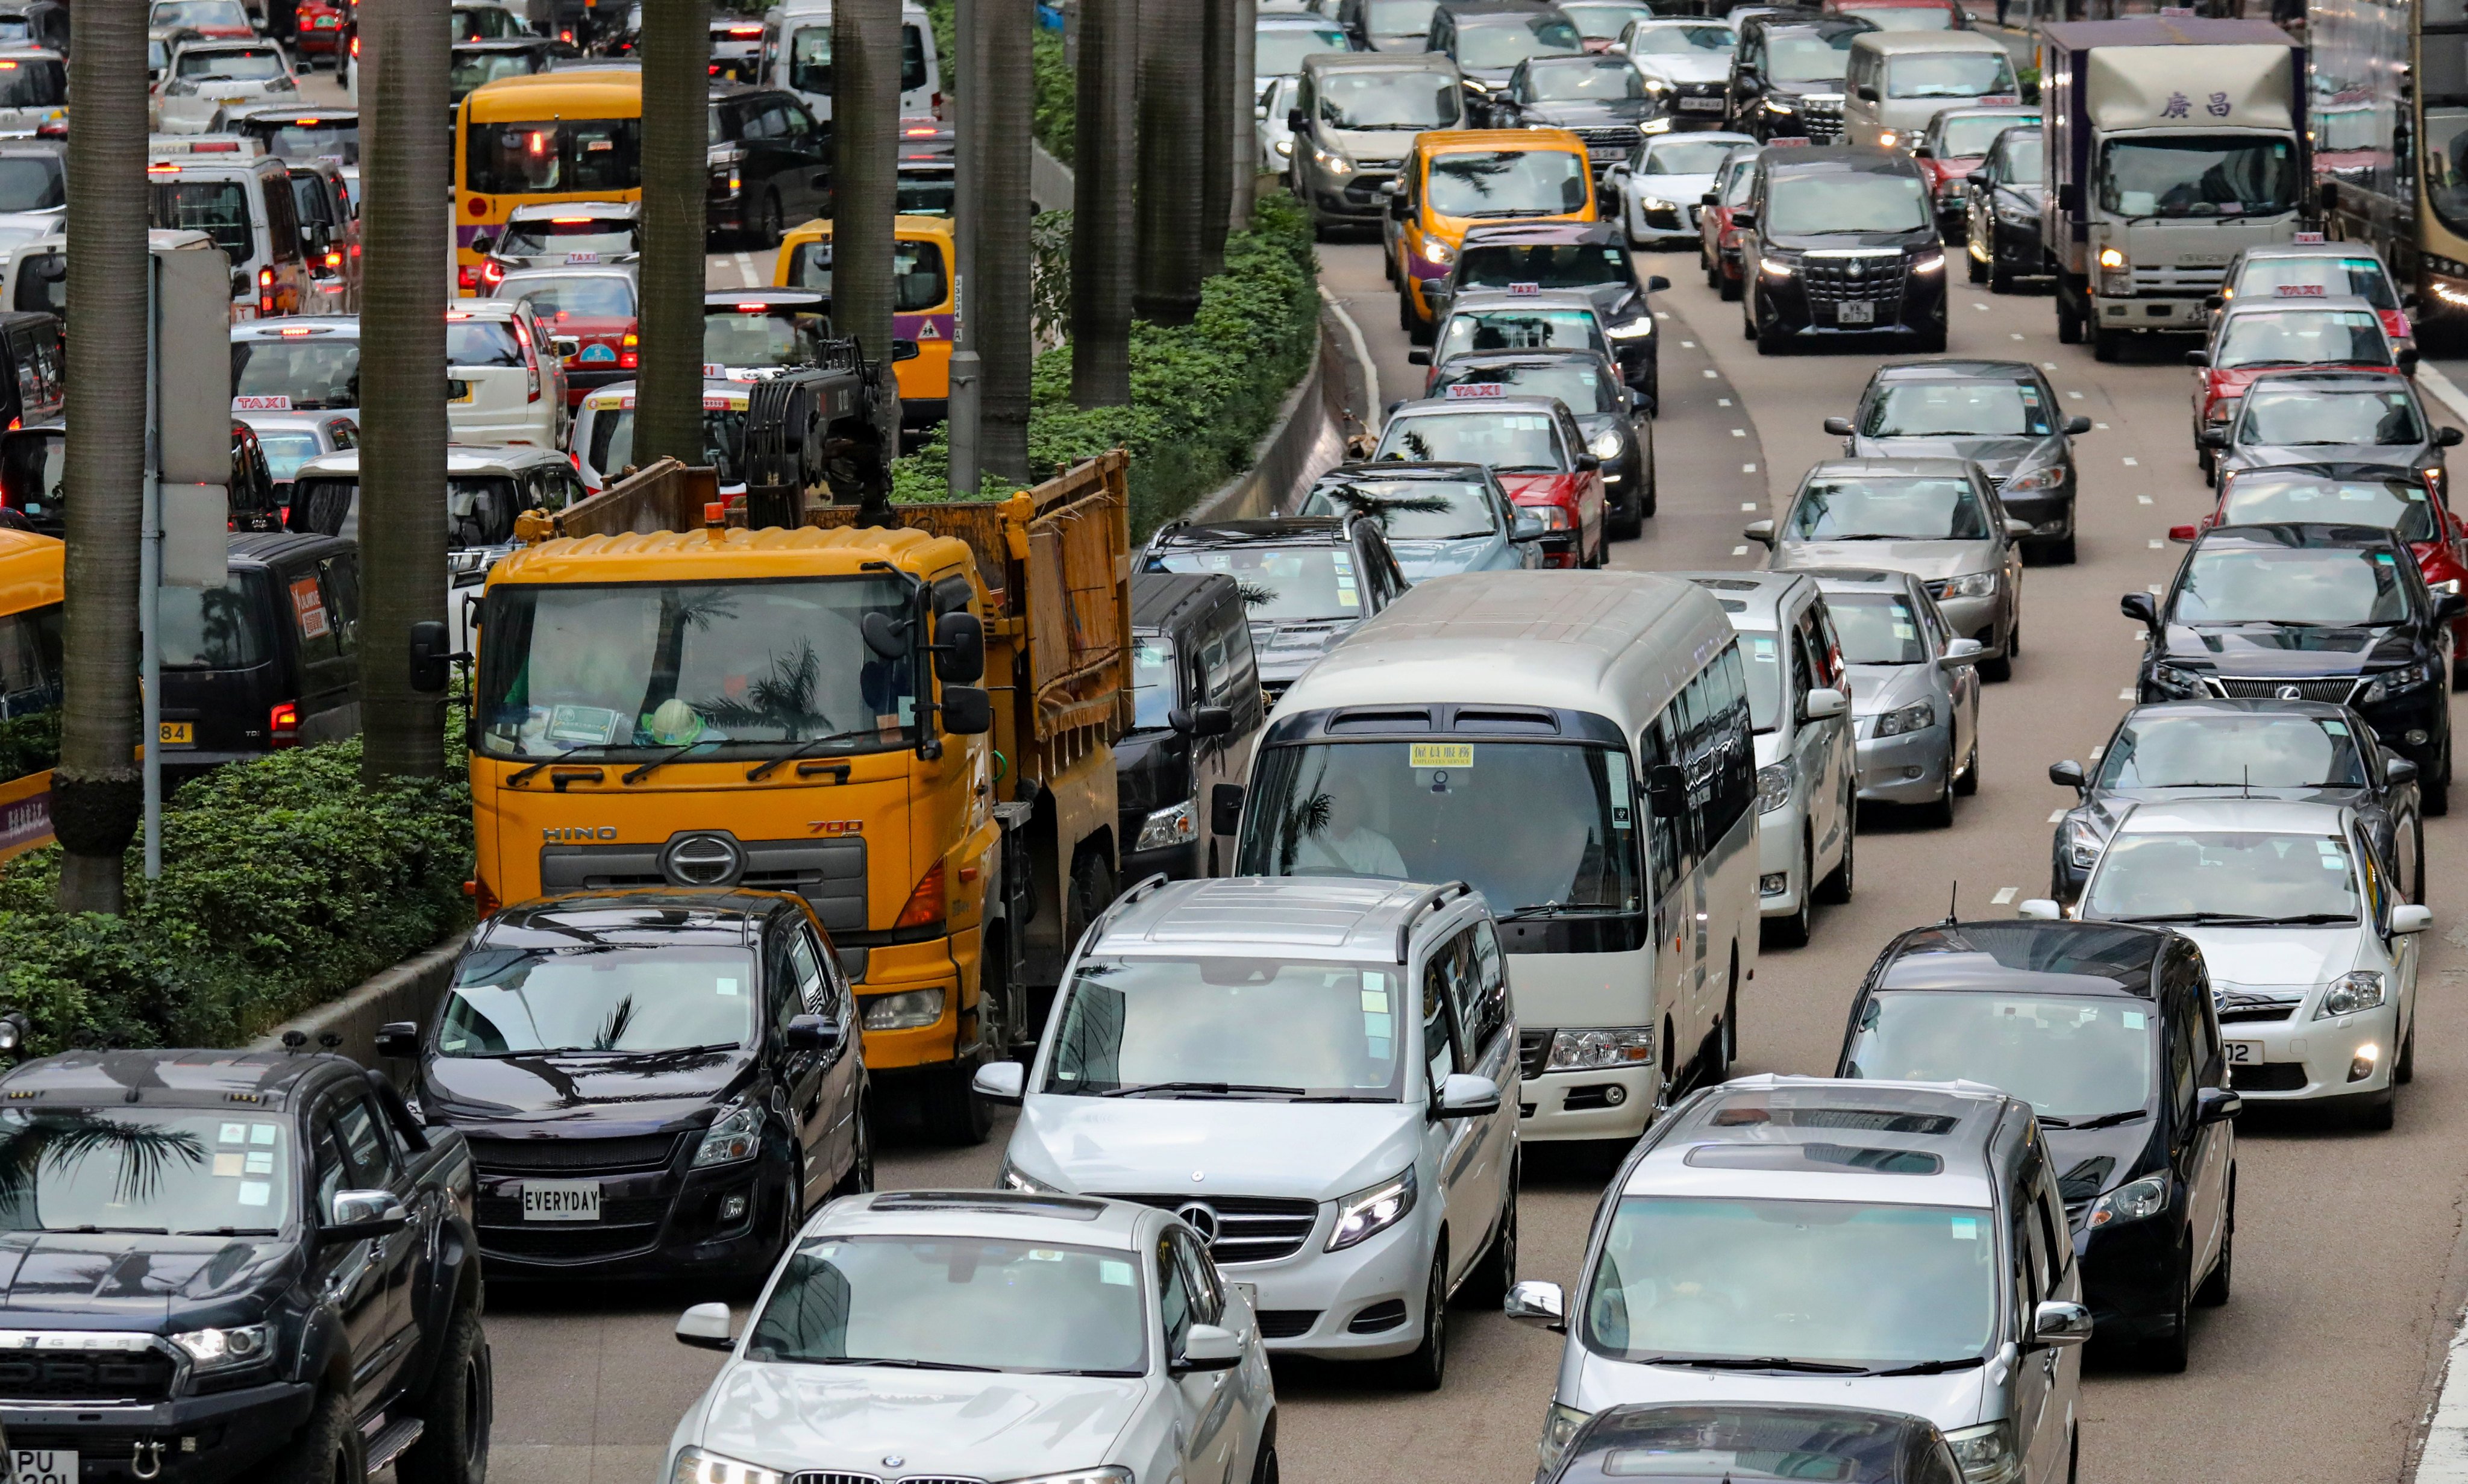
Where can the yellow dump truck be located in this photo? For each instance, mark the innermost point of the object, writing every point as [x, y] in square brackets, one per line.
[911, 728]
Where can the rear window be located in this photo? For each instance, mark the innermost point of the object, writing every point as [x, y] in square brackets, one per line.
[217, 208]
[33, 82]
[308, 372]
[555, 237]
[918, 283]
[230, 66]
[215, 627]
[31, 183]
[559, 299]
[482, 342]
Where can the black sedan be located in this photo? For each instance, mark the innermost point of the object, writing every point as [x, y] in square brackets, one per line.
[2332, 417]
[2001, 212]
[770, 163]
[653, 1083]
[2310, 612]
[2316, 751]
[1600, 99]
[2001, 415]
[1612, 418]
[2109, 1032]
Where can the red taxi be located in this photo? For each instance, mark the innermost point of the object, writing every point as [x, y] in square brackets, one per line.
[1534, 446]
[1718, 244]
[2311, 267]
[2300, 330]
[321, 31]
[591, 318]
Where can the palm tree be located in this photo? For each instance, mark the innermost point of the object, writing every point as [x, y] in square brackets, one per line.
[1217, 114]
[97, 792]
[1102, 237]
[408, 182]
[1246, 92]
[865, 128]
[676, 169]
[999, 311]
[1171, 190]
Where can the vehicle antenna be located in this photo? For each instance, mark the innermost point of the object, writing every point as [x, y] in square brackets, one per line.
[2248, 780]
[1953, 895]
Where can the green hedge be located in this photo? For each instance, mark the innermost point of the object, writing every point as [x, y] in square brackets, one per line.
[286, 882]
[1201, 394]
[30, 744]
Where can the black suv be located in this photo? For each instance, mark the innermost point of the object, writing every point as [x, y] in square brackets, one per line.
[1307, 580]
[1196, 712]
[653, 1081]
[1841, 242]
[2310, 612]
[1787, 75]
[770, 163]
[236, 1266]
[269, 660]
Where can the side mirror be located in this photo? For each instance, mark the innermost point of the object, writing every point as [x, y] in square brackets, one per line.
[1000, 1082]
[904, 350]
[1417, 358]
[886, 636]
[2448, 607]
[1922, 152]
[1396, 207]
[1666, 787]
[354, 1214]
[959, 648]
[2038, 909]
[1641, 403]
[239, 283]
[1824, 704]
[2198, 359]
[2398, 770]
[2017, 529]
[1226, 809]
[1655, 283]
[1202, 722]
[1744, 220]
[2213, 437]
[1390, 411]
[2068, 774]
[1207, 1347]
[2410, 918]
[399, 1039]
[430, 650]
[2448, 437]
[2214, 301]
[1465, 1095]
[2058, 1324]
[1959, 653]
[2184, 535]
[2217, 1105]
[2069, 198]
[707, 1327]
[1587, 462]
[967, 711]
[1759, 531]
[2406, 362]
[485, 243]
[1839, 427]
[2077, 426]
[1295, 122]
[1709, 198]
[812, 1033]
[2139, 605]
[1541, 1305]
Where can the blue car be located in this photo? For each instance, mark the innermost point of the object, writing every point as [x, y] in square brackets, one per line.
[1438, 517]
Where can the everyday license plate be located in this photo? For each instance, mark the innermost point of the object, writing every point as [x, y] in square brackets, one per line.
[1700, 106]
[561, 1200]
[180, 733]
[42, 1466]
[1855, 311]
[2245, 1053]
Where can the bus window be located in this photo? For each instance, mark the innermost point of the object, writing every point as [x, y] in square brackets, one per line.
[550, 157]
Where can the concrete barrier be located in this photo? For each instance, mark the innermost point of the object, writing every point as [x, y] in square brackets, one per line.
[1308, 435]
[409, 991]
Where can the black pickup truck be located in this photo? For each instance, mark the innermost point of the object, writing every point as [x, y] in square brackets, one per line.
[223, 1264]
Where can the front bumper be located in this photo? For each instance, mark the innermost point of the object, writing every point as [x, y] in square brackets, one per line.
[1364, 1303]
[2051, 516]
[204, 1439]
[2182, 316]
[1779, 834]
[2130, 1275]
[1908, 768]
[2417, 724]
[2303, 1060]
[1603, 1102]
[1352, 198]
[1971, 617]
[655, 1225]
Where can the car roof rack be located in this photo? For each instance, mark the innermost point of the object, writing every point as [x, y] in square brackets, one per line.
[1432, 900]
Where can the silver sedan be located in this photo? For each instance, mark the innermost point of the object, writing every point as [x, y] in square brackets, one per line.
[1914, 689]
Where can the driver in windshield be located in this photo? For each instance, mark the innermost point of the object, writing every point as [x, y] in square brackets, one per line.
[1346, 842]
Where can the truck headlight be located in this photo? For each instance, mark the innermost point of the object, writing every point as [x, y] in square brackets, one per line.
[734, 1135]
[2351, 993]
[1605, 444]
[1986, 1453]
[1774, 783]
[1591, 1050]
[1176, 824]
[1366, 1213]
[2052, 477]
[1917, 716]
[1559, 1424]
[694, 1466]
[904, 1010]
[2134, 1201]
[216, 1350]
[1972, 584]
[2112, 260]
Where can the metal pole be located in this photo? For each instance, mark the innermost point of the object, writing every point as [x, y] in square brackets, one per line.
[149, 578]
[963, 410]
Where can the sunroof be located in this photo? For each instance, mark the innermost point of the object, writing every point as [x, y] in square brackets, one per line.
[1873, 1120]
[1815, 1158]
[1000, 1202]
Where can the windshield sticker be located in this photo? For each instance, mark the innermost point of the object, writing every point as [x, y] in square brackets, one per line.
[1342, 560]
[228, 1166]
[1902, 630]
[1043, 1255]
[1440, 754]
[261, 1133]
[727, 987]
[1347, 597]
[2134, 1020]
[1617, 774]
[1117, 1274]
[260, 1162]
[581, 726]
[2328, 853]
[255, 1193]
[308, 606]
[2336, 728]
[234, 1133]
[1966, 1228]
[1764, 648]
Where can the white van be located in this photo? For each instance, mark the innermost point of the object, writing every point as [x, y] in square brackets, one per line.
[1900, 80]
[246, 205]
[797, 56]
[604, 433]
[1576, 746]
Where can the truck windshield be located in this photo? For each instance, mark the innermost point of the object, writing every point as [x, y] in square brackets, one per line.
[1535, 827]
[144, 1170]
[1257, 1027]
[596, 998]
[2201, 176]
[734, 668]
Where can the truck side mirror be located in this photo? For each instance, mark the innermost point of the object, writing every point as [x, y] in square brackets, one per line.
[2069, 198]
[430, 652]
[959, 648]
[967, 711]
[1202, 722]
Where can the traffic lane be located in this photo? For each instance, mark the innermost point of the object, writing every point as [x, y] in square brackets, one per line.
[2325, 1348]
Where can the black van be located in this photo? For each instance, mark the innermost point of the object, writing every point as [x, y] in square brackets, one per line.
[269, 660]
[37, 388]
[1199, 710]
[33, 466]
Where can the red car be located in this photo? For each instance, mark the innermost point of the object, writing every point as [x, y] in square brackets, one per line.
[1534, 446]
[2253, 335]
[1718, 244]
[590, 315]
[2356, 494]
[321, 31]
[1951, 148]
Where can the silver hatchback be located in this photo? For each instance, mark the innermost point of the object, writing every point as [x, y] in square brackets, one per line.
[1914, 689]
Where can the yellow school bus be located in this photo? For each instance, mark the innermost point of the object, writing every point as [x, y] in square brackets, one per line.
[527, 140]
[924, 267]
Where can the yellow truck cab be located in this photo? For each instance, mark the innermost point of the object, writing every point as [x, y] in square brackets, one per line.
[910, 728]
[1455, 178]
[923, 268]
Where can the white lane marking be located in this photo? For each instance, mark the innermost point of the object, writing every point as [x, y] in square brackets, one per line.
[2096, 751]
[1739, 551]
[2156, 543]
[1690, 344]
[1739, 432]
[2004, 895]
[2445, 1457]
[1721, 401]
[1710, 376]
[2156, 589]
[745, 271]
[1361, 351]
[2056, 815]
[2076, 395]
[1748, 505]
[2125, 695]
[2018, 334]
[2142, 499]
[1748, 469]
[2130, 464]
[1981, 308]
[2048, 365]
[1662, 314]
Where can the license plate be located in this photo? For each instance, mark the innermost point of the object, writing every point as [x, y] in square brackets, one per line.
[2245, 1053]
[1700, 106]
[561, 1200]
[180, 733]
[461, 391]
[1855, 311]
[42, 1466]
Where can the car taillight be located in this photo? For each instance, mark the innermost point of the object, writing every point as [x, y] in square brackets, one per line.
[938, 106]
[926, 905]
[532, 367]
[282, 725]
[468, 277]
[631, 357]
[334, 260]
[265, 290]
[493, 273]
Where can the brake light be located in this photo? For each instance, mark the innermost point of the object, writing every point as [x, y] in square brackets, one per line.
[938, 106]
[468, 276]
[629, 358]
[333, 259]
[355, 44]
[752, 309]
[265, 290]
[162, 169]
[282, 725]
[925, 904]
[493, 273]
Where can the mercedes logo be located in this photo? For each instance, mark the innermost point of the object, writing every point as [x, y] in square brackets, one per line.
[2290, 693]
[705, 860]
[1201, 1217]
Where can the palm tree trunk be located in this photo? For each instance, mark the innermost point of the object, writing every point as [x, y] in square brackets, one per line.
[1000, 298]
[676, 171]
[865, 131]
[1102, 236]
[1170, 190]
[1217, 115]
[1247, 97]
[97, 791]
[408, 177]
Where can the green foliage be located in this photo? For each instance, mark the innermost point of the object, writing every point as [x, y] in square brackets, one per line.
[286, 882]
[29, 744]
[1201, 394]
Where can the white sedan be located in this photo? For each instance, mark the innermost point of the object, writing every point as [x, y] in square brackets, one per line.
[986, 1335]
[1659, 186]
[2310, 948]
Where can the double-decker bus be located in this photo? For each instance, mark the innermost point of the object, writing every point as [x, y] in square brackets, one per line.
[2388, 102]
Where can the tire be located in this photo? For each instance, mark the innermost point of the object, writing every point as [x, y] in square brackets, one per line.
[2070, 324]
[1727, 1044]
[953, 1113]
[1968, 785]
[1487, 1285]
[1406, 324]
[456, 1416]
[2167, 1354]
[1792, 932]
[1933, 343]
[326, 1448]
[1093, 892]
[1264, 1467]
[1730, 291]
[1769, 342]
[1835, 889]
[2216, 1283]
[2434, 793]
[768, 221]
[1425, 1367]
[2060, 553]
[1999, 670]
[2404, 1070]
[859, 1178]
[2104, 346]
[1713, 269]
[1939, 813]
[1977, 269]
[2379, 1115]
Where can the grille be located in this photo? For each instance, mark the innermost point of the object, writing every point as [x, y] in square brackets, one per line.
[1364, 191]
[1249, 1228]
[1533, 1051]
[1668, 219]
[1823, 120]
[651, 1151]
[2238, 1007]
[1611, 142]
[2269, 1076]
[829, 874]
[831, 1478]
[141, 1375]
[578, 1242]
[1287, 1323]
[2335, 690]
[2174, 282]
[1874, 277]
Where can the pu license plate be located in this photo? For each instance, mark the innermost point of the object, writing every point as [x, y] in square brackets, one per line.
[461, 391]
[561, 1200]
[42, 1466]
[2245, 1053]
[1855, 311]
[180, 733]
[1700, 106]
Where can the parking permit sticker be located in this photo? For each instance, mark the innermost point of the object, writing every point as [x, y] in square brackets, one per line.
[234, 1133]
[1965, 1228]
[260, 1162]
[1618, 777]
[308, 606]
[2135, 1019]
[229, 1165]
[261, 1133]
[255, 1193]
[727, 987]
[2327, 851]
[581, 726]
[1902, 630]
[1441, 754]
[1117, 1274]
[2336, 728]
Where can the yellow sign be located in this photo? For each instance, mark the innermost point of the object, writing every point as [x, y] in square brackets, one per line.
[179, 734]
[1443, 754]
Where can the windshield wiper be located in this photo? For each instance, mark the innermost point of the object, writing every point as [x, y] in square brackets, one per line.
[2123, 1115]
[911, 1365]
[756, 774]
[230, 1231]
[1342, 1097]
[2307, 919]
[1560, 909]
[132, 1231]
[1220, 1088]
[1930, 1367]
[522, 776]
[641, 772]
[1757, 1363]
[2195, 917]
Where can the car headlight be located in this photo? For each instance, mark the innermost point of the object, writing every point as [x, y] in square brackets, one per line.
[904, 1010]
[1932, 262]
[2083, 842]
[1782, 105]
[1776, 267]
[2180, 680]
[1657, 86]
[215, 1350]
[1653, 203]
[2223, 409]
[2052, 477]
[1917, 716]
[1333, 161]
[1605, 444]
[1971, 585]
[1009, 1177]
[2351, 993]
[1636, 329]
[1658, 125]
[1774, 783]
[1176, 824]
[1986, 1453]
[1284, 146]
[1591, 1050]
[694, 1466]
[1477, 84]
[2132, 1201]
[1367, 1213]
[1559, 1424]
[1436, 251]
[2016, 214]
[734, 1135]
[1111, 1473]
[2407, 677]
[1554, 517]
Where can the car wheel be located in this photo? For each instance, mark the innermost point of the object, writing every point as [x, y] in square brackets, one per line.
[2070, 324]
[2104, 344]
[1938, 814]
[2167, 1352]
[2214, 1290]
[1487, 1285]
[1406, 312]
[859, 1178]
[1731, 289]
[1264, 1468]
[2060, 553]
[1713, 267]
[1792, 932]
[2379, 1113]
[768, 221]
[1932, 340]
[325, 1451]
[2434, 793]
[453, 1446]
[1977, 269]
[2404, 1070]
[1426, 1366]
[1836, 889]
[1729, 1039]
[1967, 783]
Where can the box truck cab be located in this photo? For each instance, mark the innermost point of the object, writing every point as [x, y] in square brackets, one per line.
[2172, 144]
